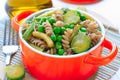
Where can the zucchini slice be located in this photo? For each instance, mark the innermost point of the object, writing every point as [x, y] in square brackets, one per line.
[15, 72]
[71, 17]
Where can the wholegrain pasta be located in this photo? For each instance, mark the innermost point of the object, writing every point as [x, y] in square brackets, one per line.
[48, 28]
[66, 41]
[58, 15]
[38, 42]
[59, 23]
[93, 33]
[62, 32]
[51, 51]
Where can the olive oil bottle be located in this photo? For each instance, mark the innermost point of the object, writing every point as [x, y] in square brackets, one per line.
[14, 7]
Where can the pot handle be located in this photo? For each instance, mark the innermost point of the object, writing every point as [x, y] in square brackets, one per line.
[15, 22]
[103, 60]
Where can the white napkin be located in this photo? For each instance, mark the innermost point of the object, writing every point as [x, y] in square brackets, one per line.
[116, 76]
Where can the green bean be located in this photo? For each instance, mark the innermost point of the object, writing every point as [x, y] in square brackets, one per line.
[61, 51]
[28, 32]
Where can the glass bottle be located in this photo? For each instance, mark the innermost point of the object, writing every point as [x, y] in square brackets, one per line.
[14, 7]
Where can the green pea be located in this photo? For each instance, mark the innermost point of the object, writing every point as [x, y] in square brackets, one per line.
[66, 25]
[63, 30]
[44, 18]
[82, 18]
[61, 51]
[59, 38]
[58, 45]
[71, 26]
[83, 29]
[79, 13]
[65, 10]
[57, 30]
[53, 37]
[41, 21]
[52, 20]
[37, 19]
[41, 28]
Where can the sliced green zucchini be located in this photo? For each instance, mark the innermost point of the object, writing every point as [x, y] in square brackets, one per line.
[80, 43]
[15, 72]
[71, 17]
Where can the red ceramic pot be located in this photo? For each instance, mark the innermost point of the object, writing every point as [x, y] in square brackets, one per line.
[73, 67]
[18, 18]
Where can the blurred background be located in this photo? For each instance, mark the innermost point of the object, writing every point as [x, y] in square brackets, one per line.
[109, 9]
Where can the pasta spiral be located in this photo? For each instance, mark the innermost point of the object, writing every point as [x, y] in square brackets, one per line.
[90, 25]
[93, 33]
[65, 41]
[94, 39]
[48, 28]
[38, 42]
[58, 15]
[59, 23]
[51, 51]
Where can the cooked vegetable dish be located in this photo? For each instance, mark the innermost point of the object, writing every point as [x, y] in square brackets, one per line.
[62, 32]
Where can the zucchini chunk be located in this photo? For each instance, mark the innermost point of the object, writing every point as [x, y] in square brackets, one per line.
[71, 17]
[15, 72]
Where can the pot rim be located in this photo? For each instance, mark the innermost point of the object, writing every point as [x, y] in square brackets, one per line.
[63, 56]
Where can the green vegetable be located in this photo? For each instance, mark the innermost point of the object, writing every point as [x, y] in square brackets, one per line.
[36, 47]
[53, 37]
[82, 18]
[61, 51]
[62, 30]
[57, 30]
[29, 22]
[66, 25]
[83, 29]
[15, 72]
[59, 38]
[79, 13]
[80, 43]
[28, 32]
[51, 20]
[43, 19]
[41, 28]
[65, 10]
[58, 45]
[71, 17]
[37, 19]
[71, 26]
